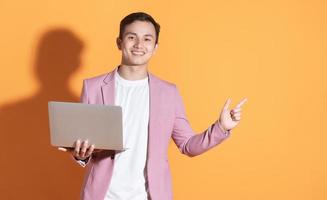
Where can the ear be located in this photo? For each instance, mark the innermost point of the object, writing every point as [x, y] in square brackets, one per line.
[118, 42]
[155, 48]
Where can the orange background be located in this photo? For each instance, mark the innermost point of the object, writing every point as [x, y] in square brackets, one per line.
[272, 52]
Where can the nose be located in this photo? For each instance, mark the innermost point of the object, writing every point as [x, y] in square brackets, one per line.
[137, 44]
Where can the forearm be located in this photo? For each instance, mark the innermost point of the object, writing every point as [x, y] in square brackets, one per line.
[200, 143]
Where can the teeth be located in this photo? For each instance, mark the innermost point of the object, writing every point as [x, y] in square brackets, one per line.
[138, 53]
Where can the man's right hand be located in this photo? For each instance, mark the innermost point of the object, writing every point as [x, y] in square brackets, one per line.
[81, 150]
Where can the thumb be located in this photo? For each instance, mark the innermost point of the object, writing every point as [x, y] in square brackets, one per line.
[67, 149]
[227, 103]
[62, 149]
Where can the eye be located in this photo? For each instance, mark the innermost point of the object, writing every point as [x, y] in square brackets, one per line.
[130, 37]
[147, 39]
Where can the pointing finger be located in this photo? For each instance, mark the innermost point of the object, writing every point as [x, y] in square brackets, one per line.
[241, 103]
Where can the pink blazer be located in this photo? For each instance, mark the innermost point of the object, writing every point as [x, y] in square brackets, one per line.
[167, 120]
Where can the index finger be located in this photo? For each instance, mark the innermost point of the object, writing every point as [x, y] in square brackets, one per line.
[241, 103]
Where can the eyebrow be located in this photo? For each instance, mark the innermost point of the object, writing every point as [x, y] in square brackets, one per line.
[132, 33]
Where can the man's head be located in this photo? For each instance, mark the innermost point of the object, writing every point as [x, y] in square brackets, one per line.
[138, 38]
[138, 16]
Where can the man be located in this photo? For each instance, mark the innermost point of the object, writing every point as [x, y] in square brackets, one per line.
[153, 113]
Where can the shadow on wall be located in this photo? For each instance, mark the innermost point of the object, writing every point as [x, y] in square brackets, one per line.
[30, 167]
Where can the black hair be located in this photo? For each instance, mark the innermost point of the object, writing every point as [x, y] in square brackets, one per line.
[138, 16]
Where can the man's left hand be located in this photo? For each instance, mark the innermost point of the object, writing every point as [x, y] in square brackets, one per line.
[229, 119]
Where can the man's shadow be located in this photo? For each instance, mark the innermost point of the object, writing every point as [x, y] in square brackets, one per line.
[30, 167]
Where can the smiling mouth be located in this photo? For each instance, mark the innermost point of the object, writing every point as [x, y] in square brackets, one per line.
[138, 53]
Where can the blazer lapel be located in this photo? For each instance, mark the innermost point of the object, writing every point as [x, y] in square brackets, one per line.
[108, 98]
[108, 89]
[153, 113]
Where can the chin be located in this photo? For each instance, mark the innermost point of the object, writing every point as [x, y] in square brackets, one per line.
[138, 62]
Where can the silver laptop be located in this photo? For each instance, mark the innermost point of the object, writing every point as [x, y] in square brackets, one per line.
[99, 124]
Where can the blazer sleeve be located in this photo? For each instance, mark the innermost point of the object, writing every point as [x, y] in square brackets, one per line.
[189, 142]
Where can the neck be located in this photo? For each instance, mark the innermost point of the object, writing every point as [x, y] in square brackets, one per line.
[132, 72]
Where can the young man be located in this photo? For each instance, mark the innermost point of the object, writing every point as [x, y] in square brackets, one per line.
[153, 113]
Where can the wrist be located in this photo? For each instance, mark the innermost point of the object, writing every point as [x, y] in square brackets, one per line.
[222, 127]
[81, 159]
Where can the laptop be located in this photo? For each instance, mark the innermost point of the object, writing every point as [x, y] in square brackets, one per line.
[101, 125]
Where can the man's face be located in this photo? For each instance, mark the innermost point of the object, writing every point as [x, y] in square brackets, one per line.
[138, 43]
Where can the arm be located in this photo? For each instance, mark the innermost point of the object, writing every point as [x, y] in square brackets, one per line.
[82, 152]
[83, 99]
[85, 152]
[190, 143]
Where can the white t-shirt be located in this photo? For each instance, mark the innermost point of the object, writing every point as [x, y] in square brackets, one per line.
[128, 180]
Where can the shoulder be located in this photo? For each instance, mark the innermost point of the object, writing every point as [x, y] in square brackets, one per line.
[99, 80]
[164, 84]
